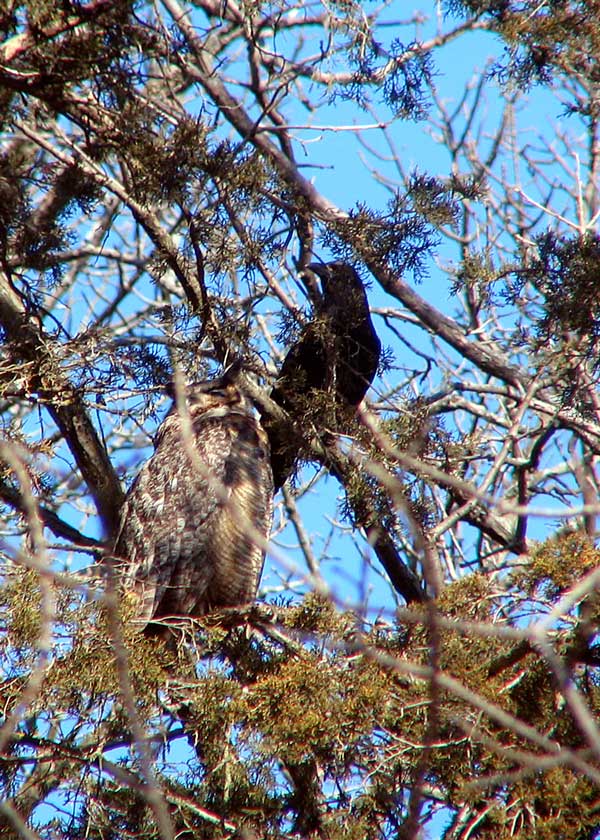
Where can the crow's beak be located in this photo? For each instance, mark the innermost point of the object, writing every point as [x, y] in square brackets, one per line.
[309, 282]
[318, 268]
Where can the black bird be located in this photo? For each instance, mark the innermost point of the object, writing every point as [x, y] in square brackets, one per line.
[329, 368]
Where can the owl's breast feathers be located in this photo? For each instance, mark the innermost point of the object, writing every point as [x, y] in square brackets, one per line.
[196, 519]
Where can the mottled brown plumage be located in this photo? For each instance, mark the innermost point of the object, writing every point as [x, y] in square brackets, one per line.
[330, 366]
[189, 525]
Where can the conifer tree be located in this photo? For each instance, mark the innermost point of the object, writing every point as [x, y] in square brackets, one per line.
[423, 659]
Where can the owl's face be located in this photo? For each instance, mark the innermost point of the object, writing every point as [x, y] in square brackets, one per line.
[220, 393]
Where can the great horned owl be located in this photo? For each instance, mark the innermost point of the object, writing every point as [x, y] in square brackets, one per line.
[194, 522]
[331, 365]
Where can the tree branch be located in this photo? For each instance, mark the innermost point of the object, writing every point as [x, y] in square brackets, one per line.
[50, 519]
[30, 345]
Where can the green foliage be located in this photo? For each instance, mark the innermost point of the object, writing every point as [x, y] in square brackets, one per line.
[476, 272]
[139, 155]
[557, 803]
[541, 40]
[402, 235]
[270, 713]
[566, 273]
[20, 600]
[558, 564]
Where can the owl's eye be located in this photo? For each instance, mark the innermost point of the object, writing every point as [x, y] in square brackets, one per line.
[217, 391]
[224, 393]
